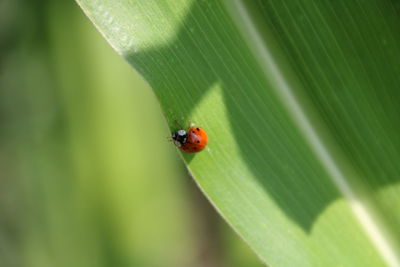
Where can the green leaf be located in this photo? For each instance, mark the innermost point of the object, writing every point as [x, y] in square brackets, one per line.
[299, 101]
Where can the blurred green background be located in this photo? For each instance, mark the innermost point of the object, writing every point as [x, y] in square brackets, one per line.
[88, 176]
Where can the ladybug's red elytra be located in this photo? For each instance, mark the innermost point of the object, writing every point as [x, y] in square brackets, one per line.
[191, 141]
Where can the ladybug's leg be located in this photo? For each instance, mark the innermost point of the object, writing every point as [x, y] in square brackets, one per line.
[191, 124]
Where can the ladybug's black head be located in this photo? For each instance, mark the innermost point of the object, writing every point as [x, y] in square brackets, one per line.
[179, 137]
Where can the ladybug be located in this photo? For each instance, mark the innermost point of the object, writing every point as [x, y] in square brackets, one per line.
[191, 141]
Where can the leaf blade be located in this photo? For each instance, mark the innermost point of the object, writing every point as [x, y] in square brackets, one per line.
[260, 174]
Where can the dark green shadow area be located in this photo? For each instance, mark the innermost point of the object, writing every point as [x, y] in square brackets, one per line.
[347, 62]
[267, 138]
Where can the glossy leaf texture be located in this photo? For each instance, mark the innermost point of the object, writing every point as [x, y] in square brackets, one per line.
[299, 100]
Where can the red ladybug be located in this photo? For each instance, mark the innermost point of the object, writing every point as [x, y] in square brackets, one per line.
[191, 141]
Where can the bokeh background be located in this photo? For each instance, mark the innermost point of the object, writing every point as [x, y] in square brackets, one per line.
[87, 174]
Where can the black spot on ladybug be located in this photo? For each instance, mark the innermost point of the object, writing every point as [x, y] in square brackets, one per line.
[198, 141]
[197, 129]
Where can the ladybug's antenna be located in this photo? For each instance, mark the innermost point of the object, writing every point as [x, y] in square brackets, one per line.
[178, 124]
[169, 138]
